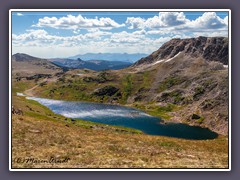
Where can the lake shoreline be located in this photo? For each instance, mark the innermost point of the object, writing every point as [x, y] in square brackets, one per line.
[125, 116]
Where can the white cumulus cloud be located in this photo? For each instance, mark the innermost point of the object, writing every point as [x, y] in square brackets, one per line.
[165, 19]
[176, 22]
[226, 20]
[135, 23]
[77, 22]
[172, 18]
[209, 20]
[140, 34]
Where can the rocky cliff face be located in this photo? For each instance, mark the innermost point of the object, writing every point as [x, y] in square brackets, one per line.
[209, 48]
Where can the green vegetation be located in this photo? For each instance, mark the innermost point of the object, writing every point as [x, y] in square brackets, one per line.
[106, 91]
[199, 119]
[20, 86]
[168, 144]
[126, 87]
[147, 79]
[174, 97]
[198, 91]
[167, 108]
[170, 82]
[102, 77]
[159, 111]
[67, 91]
[209, 104]
[209, 84]
[171, 145]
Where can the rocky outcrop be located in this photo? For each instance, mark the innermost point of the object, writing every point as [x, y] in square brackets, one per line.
[209, 48]
[38, 76]
[106, 91]
[17, 111]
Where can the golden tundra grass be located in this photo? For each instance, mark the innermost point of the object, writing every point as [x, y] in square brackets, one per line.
[41, 134]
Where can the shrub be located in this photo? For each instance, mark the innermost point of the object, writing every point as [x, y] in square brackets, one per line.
[198, 92]
[170, 82]
[106, 91]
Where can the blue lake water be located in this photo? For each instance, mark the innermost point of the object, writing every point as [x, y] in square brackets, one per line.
[124, 116]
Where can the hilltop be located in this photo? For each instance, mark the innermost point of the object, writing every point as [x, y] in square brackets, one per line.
[26, 65]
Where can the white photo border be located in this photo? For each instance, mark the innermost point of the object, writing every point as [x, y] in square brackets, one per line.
[118, 10]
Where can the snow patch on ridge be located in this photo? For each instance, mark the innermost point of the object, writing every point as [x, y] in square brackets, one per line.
[158, 62]
[173, 57]
[166, 60]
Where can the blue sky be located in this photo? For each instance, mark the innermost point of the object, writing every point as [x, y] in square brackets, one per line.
[64, 34]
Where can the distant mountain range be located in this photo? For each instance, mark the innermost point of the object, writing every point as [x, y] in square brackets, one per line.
[26, 63]
[96, 65]
[124, 57]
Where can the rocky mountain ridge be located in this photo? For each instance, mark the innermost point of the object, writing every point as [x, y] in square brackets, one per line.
[209, 48]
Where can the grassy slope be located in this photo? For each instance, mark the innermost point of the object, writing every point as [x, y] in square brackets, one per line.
[71, 87]
[41, 134]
